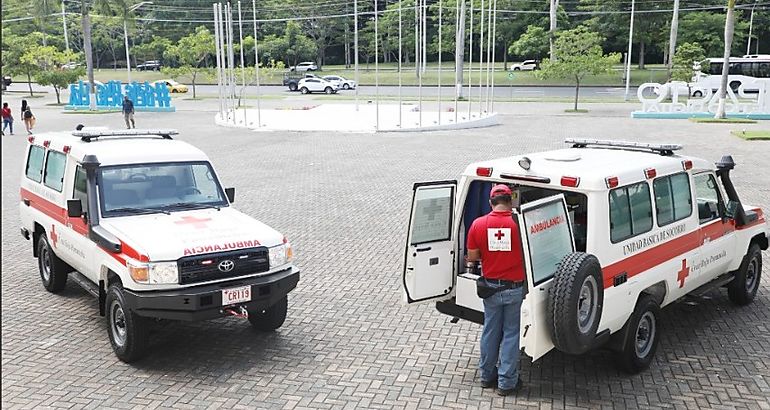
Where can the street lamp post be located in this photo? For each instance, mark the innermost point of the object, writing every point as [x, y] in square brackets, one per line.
[125, 34]
[751, 25]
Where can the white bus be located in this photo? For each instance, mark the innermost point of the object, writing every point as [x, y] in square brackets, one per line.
[742, 70]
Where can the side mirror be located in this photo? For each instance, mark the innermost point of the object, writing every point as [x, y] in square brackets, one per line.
[732, 206]
[74, 208]
[230, 193]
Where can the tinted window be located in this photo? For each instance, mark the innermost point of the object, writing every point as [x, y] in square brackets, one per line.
[432, 215]
[80, 191]
[672, 198]
[35, 163]
[630, 211]
[54, 170]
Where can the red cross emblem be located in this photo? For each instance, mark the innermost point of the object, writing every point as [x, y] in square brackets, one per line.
[54, 236]
[682, 274]
[499, 235]
[196, 223]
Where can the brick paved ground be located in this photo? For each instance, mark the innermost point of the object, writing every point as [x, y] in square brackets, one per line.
[349, 342]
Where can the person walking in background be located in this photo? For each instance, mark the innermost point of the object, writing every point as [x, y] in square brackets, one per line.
[7, 118]
[29, 118]
[23, 107]
[128, 112]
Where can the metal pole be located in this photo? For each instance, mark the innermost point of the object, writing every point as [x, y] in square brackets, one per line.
[489, 51]
[231, 48]
[217, 28]
[439, 61]
[494, 36]
[481, 56]
[400, 56]
[419, 63]
[416, 39]
[128, 59]
[256, 62]
[376, 69]
[243, 69]
[64, 22]
[355, 41]
[225, 98]
[630, 40]
[457, 40]
[470, 63]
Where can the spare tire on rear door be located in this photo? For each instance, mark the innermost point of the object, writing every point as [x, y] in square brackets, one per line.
[575, 303]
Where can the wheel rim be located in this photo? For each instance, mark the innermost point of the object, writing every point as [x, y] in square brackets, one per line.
[45, 264]
[645, 334]
[751, 275]
[118, 323]
[586, 311]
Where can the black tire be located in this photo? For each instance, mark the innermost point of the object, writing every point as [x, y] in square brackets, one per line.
[271, 318]
[53, 271]
[697, 94]
[640, 336]
[346, 86]
[328, 90]
[734, 85]
[743, 288]
[292, 86]
[304, 90]
[173, 91]
[516, 69]
[575, 303]
[129, 333]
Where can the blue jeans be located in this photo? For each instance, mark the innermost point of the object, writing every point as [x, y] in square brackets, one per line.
[500, 338]
[8, 123]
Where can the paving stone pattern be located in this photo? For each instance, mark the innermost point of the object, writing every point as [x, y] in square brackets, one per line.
[349, 342]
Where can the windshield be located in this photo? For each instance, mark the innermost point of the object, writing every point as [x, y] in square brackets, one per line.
[161, 187]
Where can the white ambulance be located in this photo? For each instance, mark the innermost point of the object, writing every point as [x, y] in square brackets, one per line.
[142, 223]
[610, 231]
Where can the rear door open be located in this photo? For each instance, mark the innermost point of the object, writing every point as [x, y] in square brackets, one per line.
[546, 235]
[430, 248]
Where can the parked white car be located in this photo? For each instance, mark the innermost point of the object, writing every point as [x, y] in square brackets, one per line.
[304, 66]
[70, 66]
[317, 85]
[341, 82]
[526, 65]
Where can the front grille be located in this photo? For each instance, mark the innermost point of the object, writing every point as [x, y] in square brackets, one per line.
[202, 268]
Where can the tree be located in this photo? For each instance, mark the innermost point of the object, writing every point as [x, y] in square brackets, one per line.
[578, 53]
[729, 31]
[15, 48]
[707, 29]
[192, 51]
[60, 79]
[687, 54]
[533, 43]
[672, 38]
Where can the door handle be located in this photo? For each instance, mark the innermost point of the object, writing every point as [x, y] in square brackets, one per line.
[422, 249]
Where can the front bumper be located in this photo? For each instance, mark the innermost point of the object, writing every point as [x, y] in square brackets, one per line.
[205, 302]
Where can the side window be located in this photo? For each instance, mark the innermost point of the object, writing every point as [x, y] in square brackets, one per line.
[672, 198]
[54, 170]
[80, 192]
[35, 163]
[630, 211]
[707, 197]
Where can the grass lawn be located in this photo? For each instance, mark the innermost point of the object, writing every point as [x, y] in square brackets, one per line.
[723, 120]
[758, 135]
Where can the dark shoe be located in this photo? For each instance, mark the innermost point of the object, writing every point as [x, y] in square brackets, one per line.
[508, 392]
[488, 384]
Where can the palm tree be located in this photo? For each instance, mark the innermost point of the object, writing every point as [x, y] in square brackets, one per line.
[729, 31]
[41, 10]
[672, 39]
[86, 22]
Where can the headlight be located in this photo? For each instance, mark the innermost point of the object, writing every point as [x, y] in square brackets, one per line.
[154, 273]
[280, 255]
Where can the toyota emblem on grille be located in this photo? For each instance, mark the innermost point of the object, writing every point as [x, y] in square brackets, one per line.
[226, 265]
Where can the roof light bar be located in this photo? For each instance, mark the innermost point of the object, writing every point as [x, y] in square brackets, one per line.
[88, 135]
[663, 149]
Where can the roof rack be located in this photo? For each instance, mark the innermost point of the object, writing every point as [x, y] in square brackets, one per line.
[88, 135]
[662, 149]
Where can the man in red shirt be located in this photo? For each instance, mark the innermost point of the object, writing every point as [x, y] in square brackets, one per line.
[7, 118]
[494, 239]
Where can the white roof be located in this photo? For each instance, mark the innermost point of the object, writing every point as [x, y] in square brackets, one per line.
[123, 150]
[591, 165]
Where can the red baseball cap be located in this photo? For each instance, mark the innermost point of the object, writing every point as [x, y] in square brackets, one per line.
[500, 189]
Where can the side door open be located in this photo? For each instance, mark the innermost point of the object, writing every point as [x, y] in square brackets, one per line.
[429, 259]
[546, 236]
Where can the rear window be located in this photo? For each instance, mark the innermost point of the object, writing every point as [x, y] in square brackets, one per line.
[630, 211]
[35, 163]
[673, 201]
[54, 170]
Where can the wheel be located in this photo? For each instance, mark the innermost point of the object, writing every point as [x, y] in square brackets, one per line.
[304, 90]
[129, 332]
[697, 93]
[328, 90]
[516, 69]
[346, 86]
[575, 303]
[53, 271]
[743, 288]
[734, 85]
[173, 90]
[640, 336]
[292, 86]
[271, 318]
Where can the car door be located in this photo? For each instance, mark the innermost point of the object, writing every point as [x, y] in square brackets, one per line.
[546, 236]
[715, 230]
[429, 258]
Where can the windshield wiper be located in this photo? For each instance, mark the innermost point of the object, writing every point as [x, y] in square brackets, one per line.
[141, 210]
[191, 205]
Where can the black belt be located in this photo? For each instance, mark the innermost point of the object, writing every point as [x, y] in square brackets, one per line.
[507, 283]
